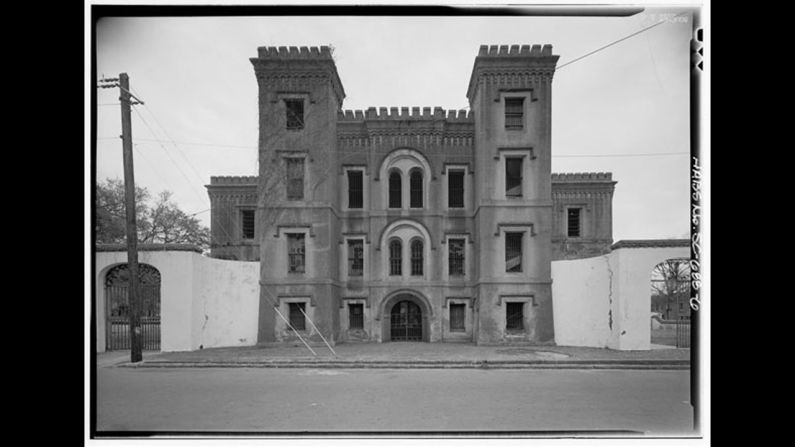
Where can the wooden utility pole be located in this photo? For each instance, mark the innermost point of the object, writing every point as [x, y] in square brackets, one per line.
[133, 294]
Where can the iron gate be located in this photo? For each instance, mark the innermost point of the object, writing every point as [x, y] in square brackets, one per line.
[683, 333]
[118, 308]
[406, 322]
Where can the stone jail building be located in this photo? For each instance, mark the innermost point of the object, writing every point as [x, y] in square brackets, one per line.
[408, 223]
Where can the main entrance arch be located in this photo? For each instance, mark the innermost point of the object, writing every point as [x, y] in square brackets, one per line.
[406, 316]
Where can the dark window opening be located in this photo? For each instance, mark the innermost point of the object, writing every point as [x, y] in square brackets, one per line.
[514, 316]
[248, 224]
[297, 320]
[415, 187]
[574, 222]
[395, 257]
[457, 312]
[514, 113]
[355, 189]
[456, 256]
[296, 251]
[295, 113]
[394, 190]
[356, 316]
[416, 258]
[513, 252]
[295, 179]
[355, 258]
[455, 189]
[513, 177]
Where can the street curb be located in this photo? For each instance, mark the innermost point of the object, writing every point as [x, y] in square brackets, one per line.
[571, 364]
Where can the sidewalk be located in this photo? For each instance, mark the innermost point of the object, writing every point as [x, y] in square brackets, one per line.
[413, 355]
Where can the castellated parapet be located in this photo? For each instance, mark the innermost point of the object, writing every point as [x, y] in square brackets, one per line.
[406, 113]
[322, 52]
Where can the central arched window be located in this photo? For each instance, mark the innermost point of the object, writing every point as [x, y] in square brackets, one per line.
[395, 186]
[416, 257]
[415, 188]
[395, 257]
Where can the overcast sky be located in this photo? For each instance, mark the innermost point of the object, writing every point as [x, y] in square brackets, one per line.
[200, 95]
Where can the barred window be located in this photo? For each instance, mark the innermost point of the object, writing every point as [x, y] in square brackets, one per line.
[455, 189]
[416, 257]
[514, 113]
[456, 256]
[355, 257]
[295, 113]
[356, 316]
[297, 319]
[394, 190]
[513, 176]
[295, 178]
[247, 217]
[296, 252]
[513, 252]
[415, 187]
[514, 316]
[395, 257]
[574, 222]
[457, 312]
[355, 189]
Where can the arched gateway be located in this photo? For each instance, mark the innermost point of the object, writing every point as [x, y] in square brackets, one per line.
[406, 317]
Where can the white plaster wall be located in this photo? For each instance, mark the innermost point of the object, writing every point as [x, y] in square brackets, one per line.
[581, 302]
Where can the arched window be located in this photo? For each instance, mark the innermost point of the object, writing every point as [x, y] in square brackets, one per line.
[394, 189]
[416, 257]
[395, 257]
[415, 187]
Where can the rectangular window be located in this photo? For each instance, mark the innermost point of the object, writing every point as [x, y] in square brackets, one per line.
[457, 313]
[574, 222]
[456, 256]
[356, 316]
[514, 113]
[455, 189]
[295, 113]
[395, 257]
[355, 258]
[297, 319]
[416, 258]
[296, 252]
[513, 252]
[247, 216]
[513, 177]
[514, 316]
[355, 189]
[295, 178]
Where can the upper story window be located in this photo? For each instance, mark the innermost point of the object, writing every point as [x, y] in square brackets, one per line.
[395, 187]
[355, 257]
[295, 113]
[513, 252]
[514, 113]
[415, 188]
[455, 189]
[355, 189]
[395, 257]
[513, 176]
[247, 220]
[573, 220]
[416, 257]
[296, 251]
[295, 178]
[456, 256]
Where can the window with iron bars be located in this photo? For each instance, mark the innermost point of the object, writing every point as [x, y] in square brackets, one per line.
[355, 189]
[296, 252]
[513, 252]
[456, 256]
[297, 319]
[514, 316]
[415, 188]
[295, 113]
[514, 113]
[457, 312]
[356, 316]
[395, 257]
[295, 178]
[247, 217]
[394, 190]
[455, 189]
[513, 177]
[416, 258]
[574, 222]
[355, 257]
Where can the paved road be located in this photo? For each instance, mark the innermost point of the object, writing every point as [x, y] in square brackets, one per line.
[254, 399]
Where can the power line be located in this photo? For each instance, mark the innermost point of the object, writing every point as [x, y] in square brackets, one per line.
[650, 154]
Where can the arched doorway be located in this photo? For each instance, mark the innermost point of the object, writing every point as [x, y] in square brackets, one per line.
[118, 307]
[670, 303]
[405, 322]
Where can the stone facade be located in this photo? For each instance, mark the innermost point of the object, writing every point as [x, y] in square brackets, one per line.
[332, 239]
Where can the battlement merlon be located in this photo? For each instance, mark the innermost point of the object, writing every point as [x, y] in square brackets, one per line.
[281, 61]
[406, 113]
[521, 60]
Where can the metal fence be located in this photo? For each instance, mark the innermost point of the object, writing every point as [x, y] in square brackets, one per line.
[682, 333]
[118, 322]
[119, 333]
